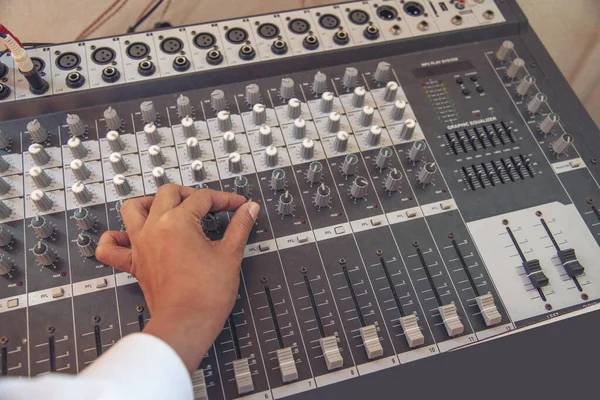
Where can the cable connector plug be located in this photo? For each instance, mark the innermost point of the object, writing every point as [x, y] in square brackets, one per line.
[19, 54]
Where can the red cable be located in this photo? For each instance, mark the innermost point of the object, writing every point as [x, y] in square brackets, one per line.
[5, 30]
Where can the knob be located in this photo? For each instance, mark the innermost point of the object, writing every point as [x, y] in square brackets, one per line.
[229, 142]
[515, 67]
[184, 106]
[114, 141]
[43, 254]
[84, 219]
[382, 72]
[197, 170]
[259, 114]
[374, 135]
[38, 154]
[285, 205]
[159, 176]
[426, 174]
[341, 141]
[5, 210]
[6, 265]
[77, 148]
[265, 135]
[5, 237]
[192, 147]
[39, 177]
[152, 133]
[391, 90]
[333, 122]
[224, 121]
[397, 110]
[4, 165]
[359, 187]
[271, 156]
[383, 157]
[41, 227]
[117, 163]
[548, 123]
[505, 50]
[536, 102]
[365, 117]
[286, 89]
[81, 192]
[188, 127]
[86, 245]
[76, 126]
[36, 131]
[349, 164]
[278, 179]
[307, 150]
[41, 200]
[562, 144]
[122, 185]
[525, 84]
[112, 119]
[118, 206]
[217, 100]
[350, 77]
[416, 151]
[240, 186]
[299, 128]
[319, 83]
[358, 96]
[294, 108]
[4, 186]
[393, 181]
[156, 156]
[148, 112]
[314, 173]
[252, 94]
[326, 103]
[210, 223]
[322, 196]
[4, 140]
[407, 129]
[235, 163]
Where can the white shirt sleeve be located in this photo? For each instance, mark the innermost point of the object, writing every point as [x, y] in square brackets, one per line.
[139, 366]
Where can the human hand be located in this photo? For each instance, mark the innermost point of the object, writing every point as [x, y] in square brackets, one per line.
[190, 283]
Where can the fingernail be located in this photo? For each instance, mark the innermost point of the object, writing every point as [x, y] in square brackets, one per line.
[253, 209]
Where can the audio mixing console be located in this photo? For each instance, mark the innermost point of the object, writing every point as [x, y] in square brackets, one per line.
[428, 180]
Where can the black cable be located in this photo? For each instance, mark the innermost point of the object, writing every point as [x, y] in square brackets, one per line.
[141, 20]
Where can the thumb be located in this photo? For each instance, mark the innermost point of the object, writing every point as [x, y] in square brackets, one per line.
[240, 226]
[113, 249]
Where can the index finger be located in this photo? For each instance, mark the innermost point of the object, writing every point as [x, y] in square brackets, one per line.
[204, 201]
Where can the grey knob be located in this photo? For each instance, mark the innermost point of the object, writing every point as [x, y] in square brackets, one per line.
[36, 131]
[365, 118]
[358, 96]
[118, 206]
[286, 89]
[114, 141]
[319, 83]
[349, 165]
[391, 90]
[188, 127]
[515, 67]
[427, 173]
[393, 181]
[86, 245]
[77, 148]
[76, 125]
[278, 179]
[505, 50]
[271, 156]
[152, 133]
[525, 84]
[341, 141]
[326, 103]
[43, 254]
[39, 177]
[82, 194]
[41, 200]
[235, 163]
[117, 162]
[299, 128]
[240, 186]
[259, 114]
[563, 143]
[407, 129]
[224, 121]
[210, 222]
[4, 186]
[359, 187]
[314, 173]
[374, 135]
[294, 108]
[41, 227]
[252, 94]
[159, 176]
[148, 111]
[5, 238]
[285, 205]
[156, 156]
[193, 148]
[548, 123]
[122, 186]
[84, 219]
[4, 165]
[265, 135]
[38, 154]
[112, 119]
[383, 157]
[397, 110]
[416, 151]
[5, 210]
[197, 170]
[333, 122]
[229, 142]
[6, 265]
[4, 140]
[307, 150]
[350, 77]
[536, 103]
[217, 100]
[382, 73]
[184, 106]
[322, 196]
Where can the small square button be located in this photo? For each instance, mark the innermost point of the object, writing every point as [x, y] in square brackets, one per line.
[375, 222]
[411, 214]
[100, 283]
[339, 230]
[302, 238]
[12, 303]
[575, 163]
[263, 247]
[57, 292]
[445, 205]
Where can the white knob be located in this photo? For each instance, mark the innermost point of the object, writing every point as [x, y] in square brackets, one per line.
[5, 239]
[383, 157]
[252, 94]
[278, 179]
[299, 128]
[217, 100]
[407, 129]
[333, 122]
[548, 123]
[505, 50]
[38, 154]
[314, 173]
[41, 200]
[322, 196]
[41, 227]
[117, 163]
[426, 174]
[515, 67]
[341, 141]
[382, 72]
[229, 142]
[350, 77]
[285, 205]
[4, 140]
[365, 117]
[326, 103]
[188, 127]
[156, 156]
[84, 219]
[525, 84]
[294, 108]
[562, 144]
[319, 83]
[197, 170]
[159, 176]
[286, 89]
[76, 126]
[148, 111]
[39, 177]
[114, 141]
[81, 192]
[86, 245]
[265, 135]
[77, 148]
[307, 150]
[4, 165]
[397, 110]
[374, 135]
[112, 119]
[122, 185]
[193, 148]
[184, 106]
[235, 163]
[271, 156]
[391, 90]
[6, 265]
[43, 254]
[416, 151]
[359, 187]
[259, 114]
[536, 103]
[224, 121]
[4, 186]
[36, 131]
[349, 165]
[152, 133]
[5, 210]
[358, 97]
[393, 181]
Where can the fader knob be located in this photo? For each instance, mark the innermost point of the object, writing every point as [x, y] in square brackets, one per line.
[525, 84]
[4, 165]
[326, 103]
[210, 223]
[265, 135]
[229, 142]
[4, 140]
[319, 83]
[197, 170]
[391, 90]
[515, 67]
[278, 179]
[83, 218]
[350, 77]
[41, 200]
[562, 144]
[112, 119]
[39, 177]
[383, 157]
[299, 128]
[252, 94]
[117, 163]
[285, 205]
[156, 156]
[407, 129]
[192, 148]
[188, 127]
[397, 110]
[349, 164]
[6, 265]
[5, 238]
[359, 187]
[341, 141]
[314, 173]
[240, 186]
[114, 141]
[333, 122]
[86, 245]
[81, 192]
[152, 133]
[259, 114]
[271, 156]
[122, 185]
[217, 100]
[416, 151]
[148, 112]
[184, 106]
[4, 186]
[80, 170]
[358, 96]
[426, 174]
[536, 103]
[294, 108]
[5, 210]
[43, 254]
[307, 149]
[548, 123]
[374, 135]
[382, 72]
[77, 148]
[286, 89]
[41, 227]
[235, 163]
[224, 121]
[159, 176]
[393, 181]
[322, 196]
[365, 117]
[76, 126]
[38, 154]
[505, 50]
[36, 131]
